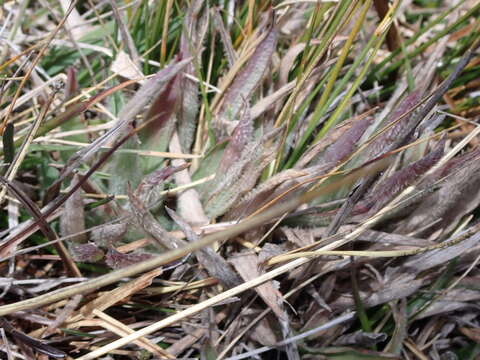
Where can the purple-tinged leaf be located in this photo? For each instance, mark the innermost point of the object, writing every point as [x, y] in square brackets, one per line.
[127, 115]
[311, 155]
[145, 221]
[88, 253]
[224, 37]
[248, 78]
[230, 186]
[241, 136]
[399, 130]
[118, 260]
[71, 86]
[194, 30]
[154, 179]
[400, 180]
[346, 143]
[160, 111]
[261, 194]
[453, 165]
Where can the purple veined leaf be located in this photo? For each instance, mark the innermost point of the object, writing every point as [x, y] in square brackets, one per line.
[248, 78]
[385, 191]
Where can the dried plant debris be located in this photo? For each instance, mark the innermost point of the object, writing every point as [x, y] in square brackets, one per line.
[240, 179]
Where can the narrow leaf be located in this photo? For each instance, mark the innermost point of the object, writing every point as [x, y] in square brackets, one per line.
[248, 78]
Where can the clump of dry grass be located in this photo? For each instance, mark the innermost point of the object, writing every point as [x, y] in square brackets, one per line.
[235, 180]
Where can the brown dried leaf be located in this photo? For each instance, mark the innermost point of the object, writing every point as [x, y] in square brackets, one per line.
[471, 333]
[109, 234]
[453, 300]
[112, 297]
[298, 236]
[248, 267]
[287, 62]
[71, 85]
[422, 262]
[400, 287]
[266, 103]
[125, 67]
[360, 338]
[263, 333]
